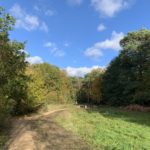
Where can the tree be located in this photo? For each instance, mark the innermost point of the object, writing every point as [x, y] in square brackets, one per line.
[48, 84]
[127, 78]
[36, 90]
[75, 88]
[90, 91]
[12, 67]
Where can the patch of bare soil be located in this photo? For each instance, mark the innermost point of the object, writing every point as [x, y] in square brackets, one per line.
[42, 133]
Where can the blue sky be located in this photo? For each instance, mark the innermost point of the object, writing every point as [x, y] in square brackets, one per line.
[78, 35]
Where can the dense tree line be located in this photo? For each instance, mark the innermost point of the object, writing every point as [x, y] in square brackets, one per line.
[127, 78]
[48, 84]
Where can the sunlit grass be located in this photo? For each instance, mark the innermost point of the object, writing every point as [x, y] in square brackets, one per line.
[109, 128]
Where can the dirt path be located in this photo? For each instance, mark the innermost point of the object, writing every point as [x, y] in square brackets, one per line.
[40, 132]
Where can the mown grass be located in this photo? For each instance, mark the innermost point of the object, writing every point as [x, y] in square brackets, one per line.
[109, 128]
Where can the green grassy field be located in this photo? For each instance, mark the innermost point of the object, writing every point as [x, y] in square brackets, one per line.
[108, 128]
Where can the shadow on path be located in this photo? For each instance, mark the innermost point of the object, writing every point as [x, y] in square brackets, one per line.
[43, 134]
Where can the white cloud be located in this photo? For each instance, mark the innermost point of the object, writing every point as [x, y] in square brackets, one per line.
[36, 8]
[49, 44]
[66, 44]
[59, 53]
[27, 21]
[74, 2]
[45, 11]
[93, 52]
[49, 12]
[81, 71]
[44, 27]
[17, 11]
[109, 8]
[34, 60]
[101, 27]
[55, 51]
[113, 43]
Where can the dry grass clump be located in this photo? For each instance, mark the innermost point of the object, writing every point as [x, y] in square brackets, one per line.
[135, 107]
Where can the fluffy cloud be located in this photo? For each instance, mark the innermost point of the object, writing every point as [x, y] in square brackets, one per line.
[55, 51]
[34, 60]
[74, 2]
[113, 43]
[27, 21]
[81, 71]
[101, 27]
[93, 52]
[109, 8]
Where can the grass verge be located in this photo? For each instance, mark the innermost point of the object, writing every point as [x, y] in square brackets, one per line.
[108, 128]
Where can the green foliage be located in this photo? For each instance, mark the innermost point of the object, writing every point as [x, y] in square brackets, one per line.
[6, 22]
[127, 79]
[12, 67]
[48, 84]
[75, 87]
[90, 91]
[36, 88]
